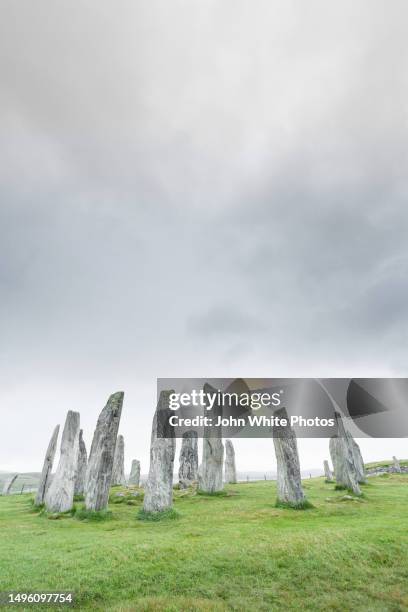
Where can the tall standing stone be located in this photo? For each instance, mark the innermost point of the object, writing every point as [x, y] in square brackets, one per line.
[342, 459]
[357, 458]
[396, 465]
[159, 486]
[230, 468]
[134, 478]
[118, 472]
[289, 481]
[45, 479]
[59, 496]
[188, 460]
[80, 475]
[100, 464]
[8, 484]
[210, 480]
[327, 470]
[335, 455]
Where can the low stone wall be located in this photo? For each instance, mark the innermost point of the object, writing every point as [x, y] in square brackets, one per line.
[390, 469]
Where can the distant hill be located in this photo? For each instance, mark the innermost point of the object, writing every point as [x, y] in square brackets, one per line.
[385, 463]
[29, 480]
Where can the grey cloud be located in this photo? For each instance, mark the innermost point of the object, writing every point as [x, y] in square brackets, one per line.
[172, 172]
[224, 321]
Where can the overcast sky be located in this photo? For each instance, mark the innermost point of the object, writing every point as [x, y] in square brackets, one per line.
[197, 188]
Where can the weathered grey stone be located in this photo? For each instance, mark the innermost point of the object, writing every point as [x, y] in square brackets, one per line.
[396, 465]
[188, 460]
[327, 470]
[230, 469]
[118, 472]
[210, 480]
[100, 464]
[159, 486]
[8, 484]
[389, 469]
[357, 458]
[335, 454]
[289, 481]
[134, 478]
[45, 479]
[82, 464]
[342, 459]
[59, 496]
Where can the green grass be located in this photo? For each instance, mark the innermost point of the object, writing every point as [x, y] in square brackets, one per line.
[222, 493]
[93, 515]
[303, 505]
[164, 515]
[386, 463]
[232, 553]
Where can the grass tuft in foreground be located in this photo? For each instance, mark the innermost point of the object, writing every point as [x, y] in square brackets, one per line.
[35, 508]
[56, 516]
[340, 487]
[82, 514]
[158, 516]
[222, 493]
[303, 505]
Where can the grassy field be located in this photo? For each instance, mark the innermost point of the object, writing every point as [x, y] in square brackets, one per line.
[236, 552]
[386, 463]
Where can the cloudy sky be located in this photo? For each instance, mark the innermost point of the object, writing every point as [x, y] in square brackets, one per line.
[197, 188]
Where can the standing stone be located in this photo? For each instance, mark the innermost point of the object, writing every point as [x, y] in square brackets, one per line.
[289, 481]
[342, 459]
[118, 472]
[396, 465]
[159, 487]
[45, 479]
[357, 458]
[59, 496]
[334, 448]
[100, 464]
[327, 471]
[134, 478]
[188, 460]
[8, 484]
[80, 475]
[210, 479]
[230, 469]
